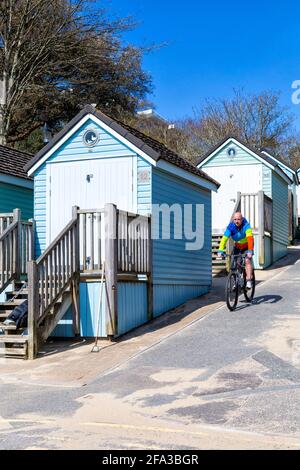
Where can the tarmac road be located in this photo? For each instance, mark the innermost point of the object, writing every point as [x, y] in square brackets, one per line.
[229, 380]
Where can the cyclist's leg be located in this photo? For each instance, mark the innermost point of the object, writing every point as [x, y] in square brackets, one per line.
[248, 267]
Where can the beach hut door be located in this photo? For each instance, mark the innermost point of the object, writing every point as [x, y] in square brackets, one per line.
[88, 184]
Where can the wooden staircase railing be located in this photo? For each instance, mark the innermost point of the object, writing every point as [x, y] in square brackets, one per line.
[8, 258]
[49, 277]
[5, 221]
[120, 238]
[16, 247]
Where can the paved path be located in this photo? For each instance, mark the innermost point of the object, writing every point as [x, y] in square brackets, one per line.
[229, 380]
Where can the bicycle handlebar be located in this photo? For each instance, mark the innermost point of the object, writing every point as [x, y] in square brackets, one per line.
[226, 255]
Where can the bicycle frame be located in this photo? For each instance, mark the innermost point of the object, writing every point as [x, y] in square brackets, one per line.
[236, 281]
[237, 267]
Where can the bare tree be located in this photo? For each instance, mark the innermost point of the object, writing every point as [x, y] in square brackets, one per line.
[257, 119]
[58, 55]
[169, 134]
[294, 153]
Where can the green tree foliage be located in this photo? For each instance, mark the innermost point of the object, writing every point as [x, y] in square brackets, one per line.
[56, 56]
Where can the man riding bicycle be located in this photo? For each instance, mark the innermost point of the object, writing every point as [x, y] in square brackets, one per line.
[240, 231]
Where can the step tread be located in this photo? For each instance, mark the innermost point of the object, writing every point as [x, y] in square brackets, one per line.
[14, 303]
[13, 352]
[13, 339]
[8, 327]
[17, 292]
[5, 313]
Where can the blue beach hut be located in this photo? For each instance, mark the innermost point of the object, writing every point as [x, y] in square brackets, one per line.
[99, 175]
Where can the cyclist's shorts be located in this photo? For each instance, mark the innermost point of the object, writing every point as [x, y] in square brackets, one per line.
[238, 251]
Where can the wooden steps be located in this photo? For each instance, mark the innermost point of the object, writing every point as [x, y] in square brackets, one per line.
[12, 303]
[23, 295]
[218, 266]
[20, 339]
[9, 327]
[13, 343]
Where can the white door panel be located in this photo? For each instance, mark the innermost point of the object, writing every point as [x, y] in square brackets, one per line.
[88, 184]
[243, 178]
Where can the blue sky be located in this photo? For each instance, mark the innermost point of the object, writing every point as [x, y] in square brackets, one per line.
[215, 46]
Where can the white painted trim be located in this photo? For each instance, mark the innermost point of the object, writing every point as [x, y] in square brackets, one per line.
[89, 158]
[16, 181]
[135, 184]
[76, 127]
[48, 202]
[192, 178]
[283, 176]
[279, 162]
[231, 139]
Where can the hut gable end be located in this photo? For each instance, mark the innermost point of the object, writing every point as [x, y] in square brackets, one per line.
[74, 148]
[238, 156]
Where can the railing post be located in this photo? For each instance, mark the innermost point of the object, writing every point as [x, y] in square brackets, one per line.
[111, 262]
[261, 228]
[17, 243]
[75, 283]
[33, 308]
[237, 207]
[76, 254]
[150, 278]
[31, 243]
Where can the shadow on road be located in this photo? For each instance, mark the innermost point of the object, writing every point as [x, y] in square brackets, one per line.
[261, 299]
[266, 299]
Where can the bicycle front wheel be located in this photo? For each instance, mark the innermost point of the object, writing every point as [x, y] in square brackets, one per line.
[232, 291]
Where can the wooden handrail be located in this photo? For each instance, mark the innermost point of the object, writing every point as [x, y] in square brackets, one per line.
[48, 279]
[8, 255]
[9, 229]
[5, 221]
[56, 241]
[53, 272]
[88, 211]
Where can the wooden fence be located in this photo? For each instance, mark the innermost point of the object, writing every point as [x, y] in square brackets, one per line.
[134, 242]
[16, 247]
[250, 209]
[131, 231]
[91, 236]
[256, 208]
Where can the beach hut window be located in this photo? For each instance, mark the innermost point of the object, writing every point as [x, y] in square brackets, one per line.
[91, 138]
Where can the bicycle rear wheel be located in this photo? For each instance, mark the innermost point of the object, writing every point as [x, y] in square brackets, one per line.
[249, 294]
[232, 291]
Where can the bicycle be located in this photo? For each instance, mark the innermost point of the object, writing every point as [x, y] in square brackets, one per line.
[236, 282]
